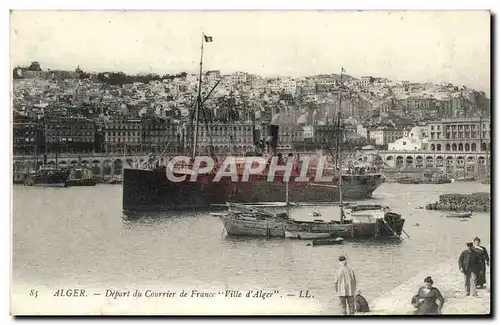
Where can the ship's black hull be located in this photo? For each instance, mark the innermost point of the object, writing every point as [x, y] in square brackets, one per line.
[150, 191]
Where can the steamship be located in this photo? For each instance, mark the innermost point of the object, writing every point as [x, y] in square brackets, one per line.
[147, 189]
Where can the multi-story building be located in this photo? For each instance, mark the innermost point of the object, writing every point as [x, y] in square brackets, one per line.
[213, 75]
[460, 135]
[444, 108]
[27, 136]
[80, 96]
[69, 135]
[366, 81]
[384, 136]
[123, 136]
[224, 137]
[289, 86]
[160, 134]
[420, 106]
[239, 77]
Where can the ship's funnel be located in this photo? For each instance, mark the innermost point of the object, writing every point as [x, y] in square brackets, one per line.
[274, 132]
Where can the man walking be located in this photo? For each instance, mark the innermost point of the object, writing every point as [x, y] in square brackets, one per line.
[469, 263]
[345, 286]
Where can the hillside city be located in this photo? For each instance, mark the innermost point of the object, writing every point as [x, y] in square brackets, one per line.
[117, 114]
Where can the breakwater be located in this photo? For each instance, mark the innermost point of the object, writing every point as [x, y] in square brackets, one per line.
[474, 202]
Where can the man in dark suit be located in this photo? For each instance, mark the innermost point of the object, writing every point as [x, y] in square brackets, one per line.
[469, 263]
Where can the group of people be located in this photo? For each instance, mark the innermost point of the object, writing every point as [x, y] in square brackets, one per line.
[472, 263]
[428, 300]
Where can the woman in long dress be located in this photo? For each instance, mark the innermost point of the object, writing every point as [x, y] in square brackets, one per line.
[428, 299]
[485, 260]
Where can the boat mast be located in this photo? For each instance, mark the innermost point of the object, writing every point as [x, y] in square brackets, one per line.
[338, 151]
[198, 102]
[287, 199]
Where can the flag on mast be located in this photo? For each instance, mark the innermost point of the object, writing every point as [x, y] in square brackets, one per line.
[342, 69]
[208, 39]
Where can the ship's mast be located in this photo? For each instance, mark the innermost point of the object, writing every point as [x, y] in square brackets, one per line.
[338, 151]
[198, 101]
[287, 199]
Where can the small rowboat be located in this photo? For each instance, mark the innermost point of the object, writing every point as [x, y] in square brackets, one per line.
[333, 241]
[307, 235]
[459, 215]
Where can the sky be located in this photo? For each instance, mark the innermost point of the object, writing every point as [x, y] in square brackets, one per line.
[420, 46]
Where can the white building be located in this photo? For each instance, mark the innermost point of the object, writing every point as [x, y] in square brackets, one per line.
[289, 86]
[239, 77]
[366, 81]
[362, 131]
[308, 131]
[414, 141]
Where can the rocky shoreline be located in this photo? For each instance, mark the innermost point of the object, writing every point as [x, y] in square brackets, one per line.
[474, 202]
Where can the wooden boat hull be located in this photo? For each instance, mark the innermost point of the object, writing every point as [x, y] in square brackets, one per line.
[256, 228]
[461, 216]
[322, 242]
[307, 235]
[277, 228]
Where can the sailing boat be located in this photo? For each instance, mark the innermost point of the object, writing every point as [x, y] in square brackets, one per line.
[47, 175]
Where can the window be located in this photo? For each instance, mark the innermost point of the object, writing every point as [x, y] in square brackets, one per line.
[404, 143]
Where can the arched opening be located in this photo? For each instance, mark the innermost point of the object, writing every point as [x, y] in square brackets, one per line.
[454, 147]
[467, 147]
[74, 163]
[399, 161]
[438, 147]
[96, 167]
[118, 166]
[449, 161]
[483, 146]
[460, 147]
[51, 162]
[473, 147]
[429, 161]
[448, 147]
[107, 167]
[419, 161]
[433, 147]
[389, 161]
[460, 161]
[409, 161]
[439, 161]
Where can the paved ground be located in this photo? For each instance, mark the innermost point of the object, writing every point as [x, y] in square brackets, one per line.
[449, 281]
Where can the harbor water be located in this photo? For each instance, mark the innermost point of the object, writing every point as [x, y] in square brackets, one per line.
[64, 237]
